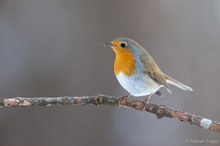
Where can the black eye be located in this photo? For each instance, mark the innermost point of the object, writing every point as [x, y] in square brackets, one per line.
[123, 45]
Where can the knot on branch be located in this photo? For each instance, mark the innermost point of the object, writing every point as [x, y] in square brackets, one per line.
[98, 99]
[161, 111]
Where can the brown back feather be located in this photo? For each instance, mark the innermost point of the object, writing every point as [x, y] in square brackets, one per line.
[152, 69]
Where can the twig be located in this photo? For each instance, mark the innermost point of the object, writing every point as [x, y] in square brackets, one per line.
[159, 110]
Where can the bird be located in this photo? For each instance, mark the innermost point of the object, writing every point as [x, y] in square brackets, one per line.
[137, 72]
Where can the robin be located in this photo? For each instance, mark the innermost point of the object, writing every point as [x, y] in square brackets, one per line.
[137, 72]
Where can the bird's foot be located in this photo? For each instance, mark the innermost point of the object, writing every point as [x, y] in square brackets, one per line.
[144, 103]
[123, 99]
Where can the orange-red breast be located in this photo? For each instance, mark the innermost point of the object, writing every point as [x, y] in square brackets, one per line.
[136, 70]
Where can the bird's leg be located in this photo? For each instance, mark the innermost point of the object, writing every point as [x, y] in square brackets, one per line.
[145, 102]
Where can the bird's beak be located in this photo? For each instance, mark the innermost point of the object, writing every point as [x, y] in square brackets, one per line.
[108, 44]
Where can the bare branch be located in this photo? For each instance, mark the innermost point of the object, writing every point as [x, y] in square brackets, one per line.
[159, 110]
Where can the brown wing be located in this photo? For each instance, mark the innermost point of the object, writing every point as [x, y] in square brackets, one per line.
[152, 69]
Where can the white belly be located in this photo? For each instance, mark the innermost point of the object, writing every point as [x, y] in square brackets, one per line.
[138, 85]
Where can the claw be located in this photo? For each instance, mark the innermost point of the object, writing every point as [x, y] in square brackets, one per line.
[123, 98]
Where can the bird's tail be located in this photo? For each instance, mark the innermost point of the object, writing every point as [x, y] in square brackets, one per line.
[177, 83]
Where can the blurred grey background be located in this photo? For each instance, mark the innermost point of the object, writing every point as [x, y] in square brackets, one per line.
[54, 48]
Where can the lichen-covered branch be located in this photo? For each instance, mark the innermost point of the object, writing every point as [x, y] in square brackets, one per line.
[159, 110]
